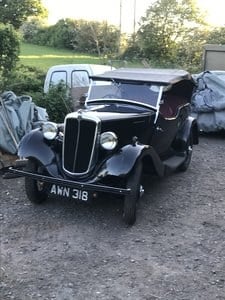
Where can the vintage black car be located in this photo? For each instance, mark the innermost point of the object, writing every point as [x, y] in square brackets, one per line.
[134, 122]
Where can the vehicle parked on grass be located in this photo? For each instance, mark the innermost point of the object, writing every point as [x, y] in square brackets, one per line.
[134, 122]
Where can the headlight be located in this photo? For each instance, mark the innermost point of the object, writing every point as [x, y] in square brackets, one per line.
[108, 140]
[49, 130]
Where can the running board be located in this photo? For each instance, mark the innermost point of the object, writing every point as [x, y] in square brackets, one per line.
[172, 163]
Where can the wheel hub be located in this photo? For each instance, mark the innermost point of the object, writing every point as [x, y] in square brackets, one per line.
[142, 190]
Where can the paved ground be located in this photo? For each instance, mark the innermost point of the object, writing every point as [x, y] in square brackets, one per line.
[66, 251]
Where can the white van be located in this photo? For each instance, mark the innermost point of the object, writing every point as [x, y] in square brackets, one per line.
[74, 75]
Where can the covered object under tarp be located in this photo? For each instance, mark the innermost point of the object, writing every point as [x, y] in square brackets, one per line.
[208, 101]
[18, 115]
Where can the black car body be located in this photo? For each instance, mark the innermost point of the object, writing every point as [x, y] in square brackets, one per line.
[134, 122]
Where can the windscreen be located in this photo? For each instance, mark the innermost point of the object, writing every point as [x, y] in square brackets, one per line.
[134, 92]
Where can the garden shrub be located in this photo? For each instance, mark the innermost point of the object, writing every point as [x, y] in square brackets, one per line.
[30, 81]
[57, 101]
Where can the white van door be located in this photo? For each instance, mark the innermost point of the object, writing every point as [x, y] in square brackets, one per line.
[79, 78]
[57, 77]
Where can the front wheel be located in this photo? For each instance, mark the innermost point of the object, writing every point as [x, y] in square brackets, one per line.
[130, 201]
[35, 189]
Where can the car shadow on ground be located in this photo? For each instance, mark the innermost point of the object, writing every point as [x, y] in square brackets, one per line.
[108, 209]
[217, 134]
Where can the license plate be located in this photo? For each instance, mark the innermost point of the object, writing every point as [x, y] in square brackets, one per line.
[69, 192]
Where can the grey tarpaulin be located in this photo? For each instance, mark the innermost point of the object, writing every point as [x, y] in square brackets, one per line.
[18, 115]
[208, 101]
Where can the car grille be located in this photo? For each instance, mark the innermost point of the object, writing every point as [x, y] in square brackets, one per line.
[79, 144]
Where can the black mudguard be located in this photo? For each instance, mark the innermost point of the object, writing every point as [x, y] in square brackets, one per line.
[190, 124]
[33, 145]
[122, 163]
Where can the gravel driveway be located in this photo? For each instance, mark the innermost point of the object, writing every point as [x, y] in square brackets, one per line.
[176, 250]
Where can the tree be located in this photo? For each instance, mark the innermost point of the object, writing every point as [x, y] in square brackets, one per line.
[217, 36]
[166, 23]
[12, 14]
[106, 38]
[61, 34]
[15, 12]
[79, 35]
[31, 28]
[9, 49]
[190, 50]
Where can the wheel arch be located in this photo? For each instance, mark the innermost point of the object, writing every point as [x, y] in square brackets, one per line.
[122, 163]
[189, 127]
[34, 147]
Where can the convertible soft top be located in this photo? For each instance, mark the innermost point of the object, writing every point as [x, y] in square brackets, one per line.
[156, 76]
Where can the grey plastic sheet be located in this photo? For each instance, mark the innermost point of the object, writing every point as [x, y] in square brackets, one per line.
[18, 115]
[208, 101]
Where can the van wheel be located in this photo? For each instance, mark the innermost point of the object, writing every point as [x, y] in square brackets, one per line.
[35, 189]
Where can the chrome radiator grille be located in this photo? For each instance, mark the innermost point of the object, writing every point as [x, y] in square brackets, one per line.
[79, 144]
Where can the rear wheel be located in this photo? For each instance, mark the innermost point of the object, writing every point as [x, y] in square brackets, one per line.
[130, 201]
[188, 152]
[35, 189]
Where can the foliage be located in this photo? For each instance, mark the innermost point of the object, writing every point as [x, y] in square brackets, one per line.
[166, 23]
[132, 50]
[217, 36]
[9, 49]
[190, 50]
[80, 35]
[12, 14]
[57, 102]
[24, 80]
[59, 35]
[31, 28]
[15, 12]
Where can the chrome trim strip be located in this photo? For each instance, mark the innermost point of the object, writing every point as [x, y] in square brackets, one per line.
[178, 111]
[158, 104]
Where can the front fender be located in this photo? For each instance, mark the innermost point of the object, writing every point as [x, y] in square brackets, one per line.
[34, 146]
[122, 163]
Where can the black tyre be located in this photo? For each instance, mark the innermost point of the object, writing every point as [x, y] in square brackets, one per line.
[189, 149]
[130, 201]
[35, 189]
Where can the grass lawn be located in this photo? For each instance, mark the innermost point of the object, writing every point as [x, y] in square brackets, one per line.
[44, 57]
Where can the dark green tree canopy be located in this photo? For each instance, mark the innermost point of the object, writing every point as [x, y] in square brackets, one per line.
[15, 12]
[9, 49]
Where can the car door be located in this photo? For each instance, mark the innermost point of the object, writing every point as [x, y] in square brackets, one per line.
[165, 130]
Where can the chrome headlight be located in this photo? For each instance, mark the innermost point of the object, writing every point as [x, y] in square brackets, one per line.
[49, 130]
[108, 140]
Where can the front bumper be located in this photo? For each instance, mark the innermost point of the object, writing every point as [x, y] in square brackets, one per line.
[74, 184]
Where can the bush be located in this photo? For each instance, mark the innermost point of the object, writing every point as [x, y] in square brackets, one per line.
[24, 80]
[57, 102]
[9, 49]
[30, 81]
